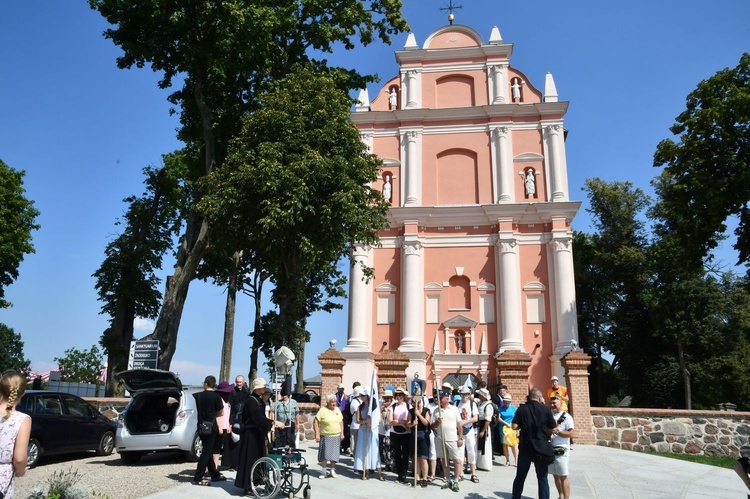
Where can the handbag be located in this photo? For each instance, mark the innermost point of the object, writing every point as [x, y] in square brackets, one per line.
[543, 451]
[205, 428]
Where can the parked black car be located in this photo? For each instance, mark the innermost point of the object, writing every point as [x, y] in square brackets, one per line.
[62, 423]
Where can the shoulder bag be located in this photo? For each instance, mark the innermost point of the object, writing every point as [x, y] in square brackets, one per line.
[543, 451]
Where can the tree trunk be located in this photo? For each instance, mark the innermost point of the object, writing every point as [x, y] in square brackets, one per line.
[116, 341]
[685, 375]
[257, 288]
[299, 386]
[229, 313]
[193, 246]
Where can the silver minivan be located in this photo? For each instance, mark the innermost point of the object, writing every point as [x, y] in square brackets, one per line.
[161, 416]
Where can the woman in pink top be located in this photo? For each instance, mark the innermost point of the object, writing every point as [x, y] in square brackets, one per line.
[400, 422]
[222, 422]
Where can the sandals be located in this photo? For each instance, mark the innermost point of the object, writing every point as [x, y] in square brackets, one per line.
[507, 463]
[474, 478]
[202, 483]
[220, 478]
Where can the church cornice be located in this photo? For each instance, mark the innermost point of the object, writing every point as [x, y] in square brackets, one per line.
[486, 214]
[493, 112]
[422, 56]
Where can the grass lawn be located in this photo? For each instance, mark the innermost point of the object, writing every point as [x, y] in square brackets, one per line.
[720, 461]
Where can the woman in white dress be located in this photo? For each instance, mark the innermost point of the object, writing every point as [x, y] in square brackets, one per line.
[484, 440]
[367, 453]
[15, 429]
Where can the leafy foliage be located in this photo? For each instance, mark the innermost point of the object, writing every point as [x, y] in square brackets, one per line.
[706, 178]
[225, 53]
[11, 350]
[17, 220]
[83, 366]
[296, 189]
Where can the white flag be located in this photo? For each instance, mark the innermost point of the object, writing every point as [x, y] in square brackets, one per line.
[374, 403]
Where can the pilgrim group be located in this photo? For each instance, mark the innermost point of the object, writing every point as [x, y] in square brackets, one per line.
[446, 438]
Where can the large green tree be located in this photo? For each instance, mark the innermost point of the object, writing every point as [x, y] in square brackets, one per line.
[17, 220]
[11, 350]
[126, 281]
[222, 52]
[706, 175]
[611, 274]
[297, 189]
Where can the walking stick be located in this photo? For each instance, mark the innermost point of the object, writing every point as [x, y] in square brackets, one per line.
[367, 441]
[442, 429]
[415, 422]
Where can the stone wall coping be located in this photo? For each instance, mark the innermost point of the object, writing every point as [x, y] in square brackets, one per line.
[638, 411]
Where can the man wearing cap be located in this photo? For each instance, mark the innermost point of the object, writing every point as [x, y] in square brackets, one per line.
[449, 439]
[469, 416]
[561, 444]
[558, 391]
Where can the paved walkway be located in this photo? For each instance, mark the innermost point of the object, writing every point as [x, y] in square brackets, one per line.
[596, 472]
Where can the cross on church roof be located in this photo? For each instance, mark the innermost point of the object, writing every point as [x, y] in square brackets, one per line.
[450, 8]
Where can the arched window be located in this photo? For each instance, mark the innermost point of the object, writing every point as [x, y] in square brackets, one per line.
[459, 297]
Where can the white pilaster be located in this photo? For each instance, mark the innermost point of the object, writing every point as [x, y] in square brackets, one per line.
[509, 297]
[410, 80]
[558, 166]
[413, 167]
[412, 285]
[359, 292]
[565, 292]
[498, 88]
[502, 164]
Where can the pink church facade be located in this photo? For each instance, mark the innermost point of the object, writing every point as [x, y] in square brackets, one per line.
[478, 257]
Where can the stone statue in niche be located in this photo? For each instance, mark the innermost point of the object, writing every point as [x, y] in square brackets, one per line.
[460, 342]
[516, 87]
[387, 188]
[529, 183]
[393, 99]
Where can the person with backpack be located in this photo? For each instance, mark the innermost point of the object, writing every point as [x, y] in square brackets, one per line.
[352, 408]
[469, 417]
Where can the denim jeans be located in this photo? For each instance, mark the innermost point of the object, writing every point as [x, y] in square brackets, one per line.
[524, 463]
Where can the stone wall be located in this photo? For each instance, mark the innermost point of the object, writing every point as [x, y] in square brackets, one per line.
[307, 412]
[711, 433]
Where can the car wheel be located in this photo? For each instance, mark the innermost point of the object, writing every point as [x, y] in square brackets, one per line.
[35, 451]
[106, 444]
[130, 457]
[196, 450]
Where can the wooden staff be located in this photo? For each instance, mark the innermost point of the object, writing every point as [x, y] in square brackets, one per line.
[442, 430]
[415, 422]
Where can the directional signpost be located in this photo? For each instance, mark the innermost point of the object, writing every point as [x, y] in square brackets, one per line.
[144, 354]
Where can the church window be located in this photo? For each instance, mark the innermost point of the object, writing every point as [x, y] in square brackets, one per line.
[459, 293]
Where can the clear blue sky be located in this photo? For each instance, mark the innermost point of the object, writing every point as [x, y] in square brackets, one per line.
[83, 129]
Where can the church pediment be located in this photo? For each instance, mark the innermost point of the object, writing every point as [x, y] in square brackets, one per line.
[459, 321]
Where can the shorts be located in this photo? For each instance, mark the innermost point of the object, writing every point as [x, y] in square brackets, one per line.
[451, 448]
[560, 466]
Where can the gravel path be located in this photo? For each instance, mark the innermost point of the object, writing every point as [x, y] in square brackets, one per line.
[108, 477]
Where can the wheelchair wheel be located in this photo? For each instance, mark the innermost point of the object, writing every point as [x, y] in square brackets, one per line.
[265, 478]
[306, 492]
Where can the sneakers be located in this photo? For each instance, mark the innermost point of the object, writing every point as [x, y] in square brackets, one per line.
[325, 474]
[333, 474]
[454, 487]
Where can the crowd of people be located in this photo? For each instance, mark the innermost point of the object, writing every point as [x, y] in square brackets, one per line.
[451, 436]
